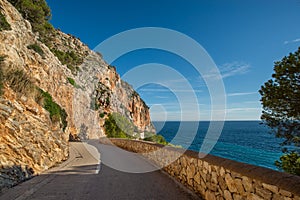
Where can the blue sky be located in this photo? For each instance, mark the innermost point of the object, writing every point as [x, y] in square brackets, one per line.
[244, 38]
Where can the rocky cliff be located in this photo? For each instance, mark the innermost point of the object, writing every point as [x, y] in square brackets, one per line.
[51, 91]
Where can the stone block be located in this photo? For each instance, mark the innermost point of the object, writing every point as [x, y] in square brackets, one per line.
[205, 165]
[203, 184]
[285, 193]
[190, 172]
[210, 195]
[230, 183]
[252, 196]
[277, 197]
[214, 177]
[248, 184]
[238, 197]
[239, 186]
[227, 195]
[266, 194]
[197, 178]
[200, 164]
[203, 175]
[296, 197]
[272, 188]
[222, 172]
[212, 186]
[222, 183]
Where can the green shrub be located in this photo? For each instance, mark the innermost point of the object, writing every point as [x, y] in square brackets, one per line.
[117, 126]
[57, 114]
[69, 58]
[37, 12]
[37, 49]
[71, 81]
[4, 25]
[156, 138]
[101, 115]
[290, 163]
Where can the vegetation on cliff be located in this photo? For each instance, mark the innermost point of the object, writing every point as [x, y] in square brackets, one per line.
[69, 58]
[19, 81]
[117, 126]
[35, 47]
[4, 25]
[155, 138]
[1, 74]
[57, 114]
[71, 53]
[100, 97]
[38, 13]
[23, 85]
[281, 110]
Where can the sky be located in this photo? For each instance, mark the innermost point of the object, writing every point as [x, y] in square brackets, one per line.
[243, 37]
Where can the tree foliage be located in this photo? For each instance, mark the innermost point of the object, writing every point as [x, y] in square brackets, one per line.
[117, 126]
[155, 138]
[281, 109]
[37, 12]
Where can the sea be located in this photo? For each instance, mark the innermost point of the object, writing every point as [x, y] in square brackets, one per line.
[244, 141]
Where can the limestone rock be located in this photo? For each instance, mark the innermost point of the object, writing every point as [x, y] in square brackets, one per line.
[28, 138]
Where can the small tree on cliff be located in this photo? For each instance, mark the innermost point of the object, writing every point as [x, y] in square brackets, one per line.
[281, 109]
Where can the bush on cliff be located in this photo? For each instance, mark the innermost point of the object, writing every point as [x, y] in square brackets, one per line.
[69, 58]
[57, 114]
[38, 13]
[117, 126]
[35, 47]
[4, 25]
[156, 138]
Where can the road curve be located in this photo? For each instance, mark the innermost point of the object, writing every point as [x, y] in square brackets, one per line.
[83, 177]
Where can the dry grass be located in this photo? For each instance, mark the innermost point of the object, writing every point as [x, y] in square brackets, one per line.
[19, 81]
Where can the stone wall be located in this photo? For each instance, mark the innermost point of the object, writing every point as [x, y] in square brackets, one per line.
[213, 177]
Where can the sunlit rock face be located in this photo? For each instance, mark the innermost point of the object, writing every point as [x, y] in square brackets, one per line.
[29, 141]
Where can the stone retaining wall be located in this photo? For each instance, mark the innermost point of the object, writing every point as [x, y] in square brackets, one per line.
[213, 177]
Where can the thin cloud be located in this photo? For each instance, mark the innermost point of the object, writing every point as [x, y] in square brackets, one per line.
[229, 69]
[234, 68]
[242, 109]
[240, 94]
[292, 41]
[250, 102]
[161, 97]
[167, 90]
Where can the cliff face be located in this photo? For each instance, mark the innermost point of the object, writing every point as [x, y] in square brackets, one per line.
[30, 140]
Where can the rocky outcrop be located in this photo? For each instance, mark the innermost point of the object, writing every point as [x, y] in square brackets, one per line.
[29, 141]
[52, 76]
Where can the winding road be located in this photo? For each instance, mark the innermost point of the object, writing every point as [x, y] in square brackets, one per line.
[85, 175]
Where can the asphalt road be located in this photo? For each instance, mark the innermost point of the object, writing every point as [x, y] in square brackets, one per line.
[90, 175]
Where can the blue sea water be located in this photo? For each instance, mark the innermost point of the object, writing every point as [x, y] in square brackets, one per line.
[243, 141]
